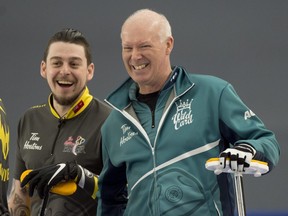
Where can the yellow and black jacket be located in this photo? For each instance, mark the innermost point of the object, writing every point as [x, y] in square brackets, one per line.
[45, 138]
[4, 165]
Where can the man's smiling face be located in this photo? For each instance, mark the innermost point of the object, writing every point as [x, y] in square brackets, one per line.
[66, 71]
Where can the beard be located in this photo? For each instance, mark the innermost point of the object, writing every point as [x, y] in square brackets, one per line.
[64, 101]
[67, 101]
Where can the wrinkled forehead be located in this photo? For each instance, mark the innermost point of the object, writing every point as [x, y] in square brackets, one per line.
[142, 21]
[140, 30]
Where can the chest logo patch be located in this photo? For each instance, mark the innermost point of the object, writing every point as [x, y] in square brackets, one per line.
[127, 134]
[76, 147]
[183, 115]
[32, 143]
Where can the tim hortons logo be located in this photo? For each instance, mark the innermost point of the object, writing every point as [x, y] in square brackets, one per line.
[127, 134]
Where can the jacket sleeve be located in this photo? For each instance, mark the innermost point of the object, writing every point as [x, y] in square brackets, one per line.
[4, 159]
[112, 194]
[239, 124]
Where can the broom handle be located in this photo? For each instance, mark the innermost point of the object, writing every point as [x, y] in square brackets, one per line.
[240, 202]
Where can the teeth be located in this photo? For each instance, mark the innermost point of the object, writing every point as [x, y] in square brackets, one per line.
[139, 67]
[64, 82]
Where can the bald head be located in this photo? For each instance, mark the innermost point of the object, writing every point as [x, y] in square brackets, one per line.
[151, 21]
[146, 47]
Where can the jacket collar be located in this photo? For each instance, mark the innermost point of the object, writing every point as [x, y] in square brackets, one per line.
[123, 95]
[80, 104]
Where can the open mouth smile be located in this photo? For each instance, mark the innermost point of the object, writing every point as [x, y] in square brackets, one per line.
[139, 67]
[64, 83]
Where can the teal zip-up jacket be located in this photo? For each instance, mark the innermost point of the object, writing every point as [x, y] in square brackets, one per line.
[161, 156]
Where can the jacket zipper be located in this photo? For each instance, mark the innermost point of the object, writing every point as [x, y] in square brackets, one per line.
[153, 118]
[153, 147]
[61, 122]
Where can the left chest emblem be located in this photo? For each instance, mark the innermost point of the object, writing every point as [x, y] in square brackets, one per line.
[76, 147]
[127, 134]
[32, 143]
[183, 115]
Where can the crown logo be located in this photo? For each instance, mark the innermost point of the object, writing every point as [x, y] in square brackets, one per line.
[184, 105]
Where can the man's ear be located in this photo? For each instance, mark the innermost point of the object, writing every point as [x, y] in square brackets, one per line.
[43, 69]
[90, 73]
[170, 45]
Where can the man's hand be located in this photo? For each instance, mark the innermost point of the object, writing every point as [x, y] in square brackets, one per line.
[45, 178]
[240, 157]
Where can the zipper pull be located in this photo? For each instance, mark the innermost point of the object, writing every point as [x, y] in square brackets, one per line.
[153, 152]
[153, 119]
[61, 122]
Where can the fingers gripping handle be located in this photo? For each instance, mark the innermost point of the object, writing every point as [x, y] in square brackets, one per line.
[63, 188]
[256, 168]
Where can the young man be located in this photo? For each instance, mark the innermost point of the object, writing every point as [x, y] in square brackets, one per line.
[4, 144]
[60, 140]
[166, 124]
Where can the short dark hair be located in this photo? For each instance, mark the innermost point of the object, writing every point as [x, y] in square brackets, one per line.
[70, 35]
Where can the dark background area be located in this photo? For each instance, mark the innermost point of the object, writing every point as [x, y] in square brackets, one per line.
[244, 42]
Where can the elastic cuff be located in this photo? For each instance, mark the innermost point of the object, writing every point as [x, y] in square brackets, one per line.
[245, 145]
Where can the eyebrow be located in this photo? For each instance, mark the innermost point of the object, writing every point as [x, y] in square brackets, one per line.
[71, 58]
